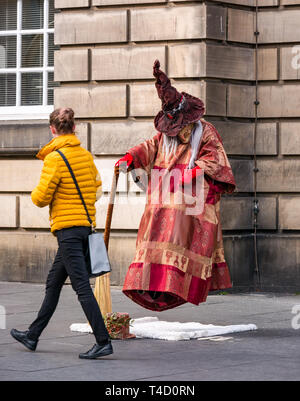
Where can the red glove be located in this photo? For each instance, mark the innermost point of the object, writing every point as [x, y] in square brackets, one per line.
[192, 173]
[128, 159]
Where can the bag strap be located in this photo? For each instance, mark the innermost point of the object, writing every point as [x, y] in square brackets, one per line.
[77, 186]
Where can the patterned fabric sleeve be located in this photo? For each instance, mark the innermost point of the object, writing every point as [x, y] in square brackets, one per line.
[145, 153]
[144, 156]
[213, 160]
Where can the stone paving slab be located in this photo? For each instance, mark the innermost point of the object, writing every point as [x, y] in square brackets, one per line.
[270, 353]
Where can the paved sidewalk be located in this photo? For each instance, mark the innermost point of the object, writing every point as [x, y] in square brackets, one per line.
[270, 353]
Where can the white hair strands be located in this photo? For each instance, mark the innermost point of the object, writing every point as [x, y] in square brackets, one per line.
[170, 143]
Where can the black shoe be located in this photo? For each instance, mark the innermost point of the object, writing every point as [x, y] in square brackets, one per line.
[97, 351]
[22, 337]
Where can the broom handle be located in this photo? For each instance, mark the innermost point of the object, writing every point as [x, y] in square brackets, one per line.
[102, 284]
[110, 207]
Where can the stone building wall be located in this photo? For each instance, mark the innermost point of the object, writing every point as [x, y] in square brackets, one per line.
[208, 49]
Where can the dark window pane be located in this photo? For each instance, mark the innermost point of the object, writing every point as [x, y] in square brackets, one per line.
[33, 14]
[51, 86]
[8, 56]
[51, 14]
[8, 15]
[32, 89]
[32, 51]
[51, 48]
[7, 90]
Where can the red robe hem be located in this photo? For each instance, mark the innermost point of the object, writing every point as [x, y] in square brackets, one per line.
[172, 296]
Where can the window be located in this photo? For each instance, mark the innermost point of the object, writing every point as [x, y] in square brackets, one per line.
[26, 58]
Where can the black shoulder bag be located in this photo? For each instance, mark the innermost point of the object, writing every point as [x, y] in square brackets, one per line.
[96, 254]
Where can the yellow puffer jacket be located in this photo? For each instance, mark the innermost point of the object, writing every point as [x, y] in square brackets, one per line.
[57, 189]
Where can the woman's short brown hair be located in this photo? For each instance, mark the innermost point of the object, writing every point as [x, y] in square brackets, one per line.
[63, 120]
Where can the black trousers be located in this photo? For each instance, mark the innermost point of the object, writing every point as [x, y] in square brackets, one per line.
[70, 261]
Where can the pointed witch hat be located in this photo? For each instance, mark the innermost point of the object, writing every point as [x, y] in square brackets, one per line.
[178, 109]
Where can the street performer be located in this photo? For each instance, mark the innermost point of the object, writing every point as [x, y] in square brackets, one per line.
[179, 254]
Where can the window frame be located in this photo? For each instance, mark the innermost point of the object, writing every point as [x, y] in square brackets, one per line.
[28, 112]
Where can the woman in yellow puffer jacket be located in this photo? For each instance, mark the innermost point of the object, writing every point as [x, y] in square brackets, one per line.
[56, 187]
[70, 224]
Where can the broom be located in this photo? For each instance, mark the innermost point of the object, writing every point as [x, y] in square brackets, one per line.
[102, 284]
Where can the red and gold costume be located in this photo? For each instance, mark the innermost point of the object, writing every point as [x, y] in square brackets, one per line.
[180, 257]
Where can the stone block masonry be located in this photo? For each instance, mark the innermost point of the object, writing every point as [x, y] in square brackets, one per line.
[104, 68]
